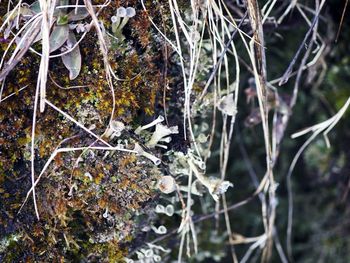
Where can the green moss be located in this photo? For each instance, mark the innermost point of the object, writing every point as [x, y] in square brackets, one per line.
[82, 218]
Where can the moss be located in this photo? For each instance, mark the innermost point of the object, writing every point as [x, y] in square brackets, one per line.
[82, 218]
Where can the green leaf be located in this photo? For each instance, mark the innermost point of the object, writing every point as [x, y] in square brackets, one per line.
[60, 11]
[58, 37]
[72, 60]
[62, 20]
[80, 14]
[35, 7]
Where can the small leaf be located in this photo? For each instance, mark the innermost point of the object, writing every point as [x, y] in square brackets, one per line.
[30, 34]
[35, 7]
[62, 20]
[72, 60]
[58, 37]
[80, 14]
[227, 105]
[60, 11]
[23, 11]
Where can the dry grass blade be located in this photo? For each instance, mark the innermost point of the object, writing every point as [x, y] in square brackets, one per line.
[12, 94]
[323, 127]
[342, 19]
[77, 123]
[104, 51]
[259, 67]
[221, 57]
[47, 8]
[289, 70]
[10, 15]
[21, 48]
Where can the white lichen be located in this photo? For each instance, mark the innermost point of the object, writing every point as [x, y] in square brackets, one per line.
[167, 184]
[151, 124]
[168, 210]
[227, 105]
[214, 185]
[160, 133]
[161, 230]
[115, 129]
[121, 18]
[142, 152]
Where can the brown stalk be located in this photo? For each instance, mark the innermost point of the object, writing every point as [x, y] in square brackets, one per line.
[260, 78]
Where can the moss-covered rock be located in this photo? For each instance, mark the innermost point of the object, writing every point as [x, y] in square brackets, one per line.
[87, 201]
